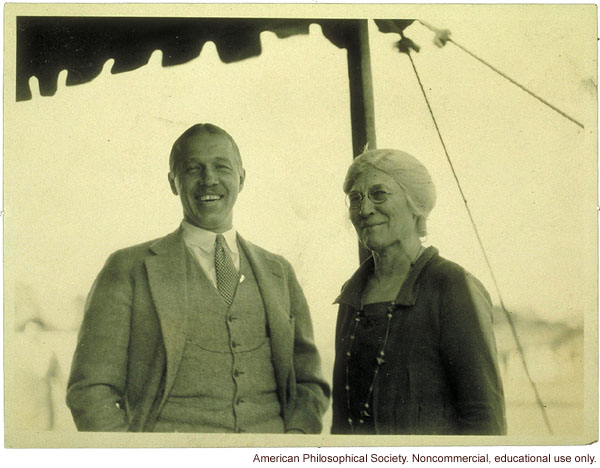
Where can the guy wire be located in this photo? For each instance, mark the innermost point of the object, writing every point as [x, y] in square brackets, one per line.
[489, 265]
[505, 76]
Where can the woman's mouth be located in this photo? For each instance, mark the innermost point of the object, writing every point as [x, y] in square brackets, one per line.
[371, 225]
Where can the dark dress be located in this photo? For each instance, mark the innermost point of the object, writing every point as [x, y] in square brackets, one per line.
[439, 374]
[364, 347]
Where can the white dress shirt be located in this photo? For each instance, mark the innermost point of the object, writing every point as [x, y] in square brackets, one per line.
[202, 245]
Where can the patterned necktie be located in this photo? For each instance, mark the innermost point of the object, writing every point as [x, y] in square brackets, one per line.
[227, 275]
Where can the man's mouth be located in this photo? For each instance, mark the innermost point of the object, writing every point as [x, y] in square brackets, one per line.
[209, 198]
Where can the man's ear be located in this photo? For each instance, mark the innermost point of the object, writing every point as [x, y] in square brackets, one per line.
[242, 178]
[172, 183]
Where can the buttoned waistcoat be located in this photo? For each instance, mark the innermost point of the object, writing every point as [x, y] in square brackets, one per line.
[133, 333]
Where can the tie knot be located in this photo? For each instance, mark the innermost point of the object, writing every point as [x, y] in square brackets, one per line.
[220, 241]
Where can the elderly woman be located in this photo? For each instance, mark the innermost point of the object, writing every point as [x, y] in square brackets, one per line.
[415, 350]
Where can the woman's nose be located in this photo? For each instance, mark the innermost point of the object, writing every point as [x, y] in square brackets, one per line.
[366, 206]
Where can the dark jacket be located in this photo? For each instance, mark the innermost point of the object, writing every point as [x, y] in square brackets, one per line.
[134, 330]
[440, 374]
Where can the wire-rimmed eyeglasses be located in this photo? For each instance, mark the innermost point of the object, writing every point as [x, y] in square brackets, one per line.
[376, 194]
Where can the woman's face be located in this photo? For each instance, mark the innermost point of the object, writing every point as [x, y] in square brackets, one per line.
[385, 224]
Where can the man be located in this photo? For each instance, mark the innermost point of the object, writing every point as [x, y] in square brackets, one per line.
[199, 331]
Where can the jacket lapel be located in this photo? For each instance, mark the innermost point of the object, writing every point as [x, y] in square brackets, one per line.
[271, 283]
[168, 286]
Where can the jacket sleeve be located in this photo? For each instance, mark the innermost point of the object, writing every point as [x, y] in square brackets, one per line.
[312, 391]
[468, 350]
[96, 387]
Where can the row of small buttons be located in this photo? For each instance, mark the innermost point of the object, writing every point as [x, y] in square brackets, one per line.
[236, 373]
[234, 344]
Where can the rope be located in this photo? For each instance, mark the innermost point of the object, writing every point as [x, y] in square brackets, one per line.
[487, 260]
[503, 75]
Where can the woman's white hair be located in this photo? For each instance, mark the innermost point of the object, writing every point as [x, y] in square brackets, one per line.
[408, 173]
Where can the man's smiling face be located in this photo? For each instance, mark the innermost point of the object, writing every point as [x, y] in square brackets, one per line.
[207, 177]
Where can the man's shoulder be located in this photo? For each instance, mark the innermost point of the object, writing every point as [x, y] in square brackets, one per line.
[141, 250]
[262, 252]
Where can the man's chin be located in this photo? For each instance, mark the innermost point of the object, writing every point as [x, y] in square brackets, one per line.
[210, 223]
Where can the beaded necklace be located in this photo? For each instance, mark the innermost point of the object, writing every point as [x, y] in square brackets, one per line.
[364, 408]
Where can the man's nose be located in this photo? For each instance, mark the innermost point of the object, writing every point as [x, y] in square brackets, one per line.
[209, 177]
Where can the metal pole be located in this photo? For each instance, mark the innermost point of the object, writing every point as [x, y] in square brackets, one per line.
[362, 108]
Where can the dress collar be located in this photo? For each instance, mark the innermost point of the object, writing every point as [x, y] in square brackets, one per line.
[352, 290]
[205, 240]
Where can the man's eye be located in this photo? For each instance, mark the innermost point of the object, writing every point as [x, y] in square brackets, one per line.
[223, 166]
[191, 170]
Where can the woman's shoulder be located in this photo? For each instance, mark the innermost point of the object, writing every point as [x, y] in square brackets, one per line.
[447, 273]
[441, 268]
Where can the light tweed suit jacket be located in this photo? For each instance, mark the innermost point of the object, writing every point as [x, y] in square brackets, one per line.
[134, 329]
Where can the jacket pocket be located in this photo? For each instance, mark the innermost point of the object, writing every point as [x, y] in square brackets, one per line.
[291, 392]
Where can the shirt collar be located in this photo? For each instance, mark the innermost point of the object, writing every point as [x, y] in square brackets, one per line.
[352, 291]
[198, 237]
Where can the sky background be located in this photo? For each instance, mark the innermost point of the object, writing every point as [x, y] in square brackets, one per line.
[86, 169]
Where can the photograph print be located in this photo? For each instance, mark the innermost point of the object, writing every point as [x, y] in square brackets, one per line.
[300, 225]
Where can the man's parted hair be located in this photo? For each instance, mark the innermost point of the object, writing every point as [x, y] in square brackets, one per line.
[197, 130]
